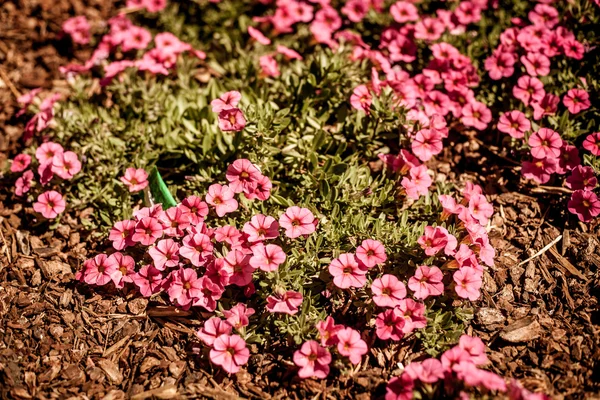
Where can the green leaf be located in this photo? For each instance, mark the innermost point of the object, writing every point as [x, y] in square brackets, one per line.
[159, 190]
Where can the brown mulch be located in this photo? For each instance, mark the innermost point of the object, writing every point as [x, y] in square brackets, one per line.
[541, 318]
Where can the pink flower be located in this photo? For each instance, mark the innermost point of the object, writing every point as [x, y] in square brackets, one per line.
[258, 36]
[539, 170]
[436, 239]
[238, 264]
[426, 282]
[147, 231]
[514, 123]
[573, 49]
[545, 143]
[206, 293]
[23, 183]
[536, 64]
[46, 152]
[389, 325]
[124, 271]
[174, 222]
[477, 115]
[418, 184]
[269, 66]
[231, 120]
[286, 303]
[592, 143]
[194, 209]
[212, 329]
[297, 221]
[429, 29]
[400, 388]
[361, 99]
[230, 352]
[121, 234]
[475, 347]
[50, 204]
[197, 248]
[261, 189]
[480, 209]
[289, 53]
[238, 315]
[500, 65]
[371, 253]
[529, 89]
[468, 282]
[20, 163]
[414, 314]
[427, 371]
[576, 100]
[547, 106]
[404, 11]
[221, 197]
[99, 270]
[347, 272]
[78, 28]
[226, 101]
[351, 345]
[261, 228]
[584, 204]
[154, 5]
[328, 331]
[427, 143]
[267, 258]
[135, 179]
[66, 165]
[313, 360]
[242, 176]
[582, 178]
[388, 291]
[569, 158]
[135, 38]
[165, 254]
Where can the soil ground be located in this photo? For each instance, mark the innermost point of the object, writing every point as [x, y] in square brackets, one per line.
[539, 314]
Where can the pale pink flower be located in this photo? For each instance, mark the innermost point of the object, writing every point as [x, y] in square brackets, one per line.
[371, 253]
[414, 314]
[361, 99]
[347, 272]
[529, 89]
[475, 347]
[258, 36]
[154, 5]
[435, 239]
[238, 264]
[242, 176]
[237, 316]
[427, 143]
[286, 303]
[476, 115]
[50, 204]
[232, 120]
[426, 282]
[121, 234]
[468, 282]
[388, 291]
[313, 360]
[289, 53]
[480, 209]
[418, 184]
[427, 371]
[206, 293]
[297, 222]
[267, 258]
[404, 11]
[269, 66]
[46, 152]
[212, 329]
[230, 352]
[221, 197]
[66, 165]
[135, 179]
[536, 64]
[351, 345]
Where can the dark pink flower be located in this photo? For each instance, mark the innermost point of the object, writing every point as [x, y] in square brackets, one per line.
[230, 352]
[414, 314]
[183, 286]
[313, 360]
[576, 100]
[125, 269]
[50, 204]
[351, 345]
[147, 231]
[289, 53]
[174, 221]
[592, 143]
[426, 282]
[20, 163]
[347, 272]
[536, 64]
[582, 178]
[286, 303]
[515, 123]
[500, 65]
[435, 239]
[539, 170]
[573, 49]
[66, 165]
[232, 120]
[569, 158]
[239, 266]
[545, 143]
[400, 388]
[389, 325]
[328, 331]
[197, 248]
[547, 106]
[99, 270]
[23, 183]
[206, 293]
[388, 291]
[584, 204]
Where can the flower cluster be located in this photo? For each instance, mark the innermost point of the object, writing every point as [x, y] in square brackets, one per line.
[53, 165]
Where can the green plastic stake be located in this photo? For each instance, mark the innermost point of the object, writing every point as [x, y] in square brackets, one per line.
[158, 191]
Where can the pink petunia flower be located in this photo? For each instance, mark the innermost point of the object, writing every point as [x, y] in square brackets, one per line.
[135, 179]
[569, 158]
[435, 239]
[539, 170]
[194, 209]
[99, 270]
[351, 345]
[576, 100]
[47, 151]
[297, 221]
[232, 120]
[174, 221]
[389, 324]
[468, 282]
[313, 360]
[184, 283]
[286, 303]
[121, 234]
[592, 143]
[238, 264]
[230, 352]
[23, 183]
[584, 204]
[212, 329]
[414, 314]
[529, 89]
[124, 271]
[50, 204]
[426, 371]
[226, 101]
[261, 228]
[66, 165]
[545, 143]
[237, 316]
[269, 66]
[404, 11]
[347, 272]
[147, 231]
[361, 99]
[515, 123]
[221, 197]
[536, 64]
[426, 282]
[289, 53]
[500, 65]
[205, 293]
[165, 254]
[546, 106]
[388, 291]
[267, 258]
[20, 163]
[400, 388]
[242, 176]
[427, 143]
[371, 253]
[154, 5]
[197, 248]
[78, 28]
[418, 184]
[480, 209]
[475, 347]
[582, 178]
[477, 115]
